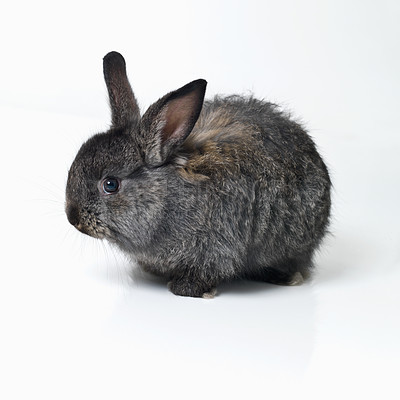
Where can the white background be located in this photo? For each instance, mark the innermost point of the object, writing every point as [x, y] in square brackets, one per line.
[76, 324]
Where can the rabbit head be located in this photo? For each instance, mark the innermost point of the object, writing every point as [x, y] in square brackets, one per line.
[115, 187]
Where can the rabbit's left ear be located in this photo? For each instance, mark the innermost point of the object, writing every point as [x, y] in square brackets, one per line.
[168, 122]
[124, 107]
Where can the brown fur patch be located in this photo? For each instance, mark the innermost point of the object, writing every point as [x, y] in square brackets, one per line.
[215, 146]
[212, 126]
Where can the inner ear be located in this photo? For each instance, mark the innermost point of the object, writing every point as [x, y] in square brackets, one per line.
[168, 122]
[180, 116]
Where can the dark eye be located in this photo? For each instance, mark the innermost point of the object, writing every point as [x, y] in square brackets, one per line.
[110, 185]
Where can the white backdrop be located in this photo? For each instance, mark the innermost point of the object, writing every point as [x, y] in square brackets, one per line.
[77, 324]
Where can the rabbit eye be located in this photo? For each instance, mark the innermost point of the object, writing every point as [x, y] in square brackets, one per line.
[110, 185]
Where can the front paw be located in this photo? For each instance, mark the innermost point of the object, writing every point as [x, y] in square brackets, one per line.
[183, 287]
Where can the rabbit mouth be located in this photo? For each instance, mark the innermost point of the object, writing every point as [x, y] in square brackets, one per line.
[96, 232]
[85, 222]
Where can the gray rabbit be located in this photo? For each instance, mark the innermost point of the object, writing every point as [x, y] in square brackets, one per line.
[201, 192]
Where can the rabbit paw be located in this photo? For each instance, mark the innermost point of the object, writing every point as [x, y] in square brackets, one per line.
[297, 279]
[182, 287]
[211, 294]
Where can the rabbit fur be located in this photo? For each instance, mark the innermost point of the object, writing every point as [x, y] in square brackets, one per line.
[207, 191]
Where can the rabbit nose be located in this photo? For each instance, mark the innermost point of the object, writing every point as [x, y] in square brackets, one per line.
[72, 214]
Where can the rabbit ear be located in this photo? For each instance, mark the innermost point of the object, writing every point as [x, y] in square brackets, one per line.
[168, 122]
[124, 108]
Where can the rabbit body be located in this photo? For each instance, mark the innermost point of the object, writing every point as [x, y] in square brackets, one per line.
[207, 192]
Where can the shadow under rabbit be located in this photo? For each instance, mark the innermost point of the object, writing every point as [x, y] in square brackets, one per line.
[240, 286]
[266, 329]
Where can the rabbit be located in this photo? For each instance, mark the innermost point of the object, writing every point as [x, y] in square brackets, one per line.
[201, 192]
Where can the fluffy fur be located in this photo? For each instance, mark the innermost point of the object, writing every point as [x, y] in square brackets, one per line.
[208, 192]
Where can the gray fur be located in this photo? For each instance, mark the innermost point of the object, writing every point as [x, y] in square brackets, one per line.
[241, 193]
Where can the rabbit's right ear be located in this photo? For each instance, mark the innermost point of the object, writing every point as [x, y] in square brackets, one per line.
[167, 122]
[124, 108]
